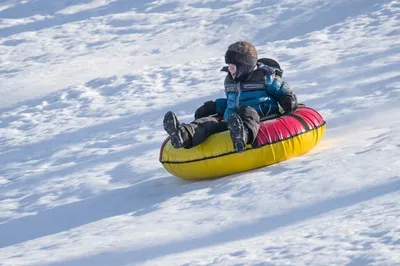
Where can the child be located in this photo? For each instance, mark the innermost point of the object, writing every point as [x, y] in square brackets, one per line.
[251, 92]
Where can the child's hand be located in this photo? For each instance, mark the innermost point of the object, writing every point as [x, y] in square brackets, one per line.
[207, 109]
[288, 103]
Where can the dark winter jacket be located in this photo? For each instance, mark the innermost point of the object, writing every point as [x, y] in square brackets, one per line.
[262, 90]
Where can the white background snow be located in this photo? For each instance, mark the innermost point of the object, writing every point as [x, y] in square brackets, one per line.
[84, 85]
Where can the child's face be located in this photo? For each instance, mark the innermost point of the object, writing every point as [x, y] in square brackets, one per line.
[232, 70]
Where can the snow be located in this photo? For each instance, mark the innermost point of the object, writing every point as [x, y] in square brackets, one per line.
[84, 86]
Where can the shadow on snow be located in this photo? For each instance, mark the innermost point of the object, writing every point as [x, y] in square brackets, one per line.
[240, 232]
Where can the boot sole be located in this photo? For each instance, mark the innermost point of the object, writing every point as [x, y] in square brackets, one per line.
[170, 123]
[171, 126]
[236, 128]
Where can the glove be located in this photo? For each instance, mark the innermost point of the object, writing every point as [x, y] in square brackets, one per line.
[289, 103]
[208, 108]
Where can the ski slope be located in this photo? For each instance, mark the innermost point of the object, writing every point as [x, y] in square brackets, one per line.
[84, 85]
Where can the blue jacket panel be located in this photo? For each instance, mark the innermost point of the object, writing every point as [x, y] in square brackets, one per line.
[221, 104]
[261, 101]
[264, 101]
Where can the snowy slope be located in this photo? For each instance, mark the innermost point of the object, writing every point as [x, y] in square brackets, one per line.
[84, 85]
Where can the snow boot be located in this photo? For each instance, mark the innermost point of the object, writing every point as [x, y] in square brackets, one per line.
[177, 132]
[239, 134]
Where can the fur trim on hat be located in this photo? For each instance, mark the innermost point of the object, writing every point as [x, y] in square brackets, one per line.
[244, 56]
[241, 53]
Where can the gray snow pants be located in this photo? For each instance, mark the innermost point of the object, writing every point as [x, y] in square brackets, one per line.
[200, 129]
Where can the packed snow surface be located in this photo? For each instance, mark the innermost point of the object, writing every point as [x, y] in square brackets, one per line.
[84, 85]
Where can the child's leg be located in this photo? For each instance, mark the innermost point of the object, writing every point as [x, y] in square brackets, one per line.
[251, 121]
[243, 127]
[200, 129]
[192, 134]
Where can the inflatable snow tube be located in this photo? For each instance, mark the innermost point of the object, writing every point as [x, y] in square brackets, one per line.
[279, 139]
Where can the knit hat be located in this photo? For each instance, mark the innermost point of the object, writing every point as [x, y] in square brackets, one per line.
[243, 55]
